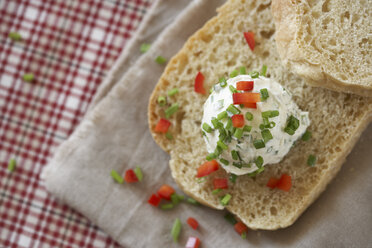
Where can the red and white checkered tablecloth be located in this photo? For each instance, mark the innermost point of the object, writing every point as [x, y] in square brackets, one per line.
[69, 46]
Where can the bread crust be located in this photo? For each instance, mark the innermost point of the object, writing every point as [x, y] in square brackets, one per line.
[295, 58]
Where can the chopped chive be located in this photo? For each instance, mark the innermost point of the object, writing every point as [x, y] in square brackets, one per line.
[292, 125]
[225, 200]
[311, 160]
[192, 201]
[237, 164]
[289, 130]
[222, 82]
[244, 235]
[207, 128]
[211, 156]
[160, 60]
[233, 89]
[175, 199]
[256, 172]
[242, 70]
[238, 133]
[224, 161]
[249, 116]
[259, 161]
[201, 180]
[259, 143]
[222, 135]
[116, 176]
[216, 124]
[230, 218]
[169, 136]
[171, 110]
[254, 74]
[216, 191]
[176, 229]
[263, 70]
[144, 47]
[241, 105]
[274, 113]
[218, 151]
[262, 127]
[222, 115]
[266, 135]
[228, 124]
[307, 135]
[232, 178]
[167, 206]
[211, 90]
[270, 113]
[181, 197]
[234, 154]
[12, 164]
[247, 128]
[233, 110]
[28, 77]
[247, 165]
[264, 94]
[172, 92]
[265, 121]
[15, 36]
[234, 73]
[162, 101]
[272, 124]
[222, 145]
[138, 173]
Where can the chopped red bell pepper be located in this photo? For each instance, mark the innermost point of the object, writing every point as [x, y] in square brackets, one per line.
[285, 183]
[240, 227]
[244, 85]
[220, 183]
[192, 242]
[207, 168]
[272, 183]
[154, 200]
[192, 223]
[237, 120]
[130, 176]
[249, 37]
[199, 83]
[162, 126]
[166, 191]
[250, 105]
[246, 97]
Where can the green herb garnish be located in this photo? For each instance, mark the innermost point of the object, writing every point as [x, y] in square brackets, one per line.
[162, 101]
[138, 173]
[176, 229]
[169, 136]
[172, 92]
[263, 70]
[234, 73]
[171, 110]
[307, 135]
[216, 191]
[160, 60]
[292, 125]
[116, 176]
[249, 116]
[224, 161]
[242, 70]
[238, 133]
[254, 74]
[12, 164]
[211, 156]
[259, 143]
[222, 115]
[222, 145]
[225, 199]
[223, 82]
[259, 161]
[247, 128]
[230, 218]
[216, 124]
[234, 154]
[232, 178]
[207, 128]
[144, 47]
[167, 206]
[233, 110]
[15, 36]
[266, 135]
[233, 89]
[311, 160]
[28, 77]
[264, 94]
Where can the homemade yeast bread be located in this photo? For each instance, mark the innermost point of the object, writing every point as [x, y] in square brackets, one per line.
[328, 42]
[337, 119]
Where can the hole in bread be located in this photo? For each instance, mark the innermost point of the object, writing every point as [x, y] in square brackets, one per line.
[206, 37]
[325, 7]
[273, 211]
[263, 7]
[267, 34]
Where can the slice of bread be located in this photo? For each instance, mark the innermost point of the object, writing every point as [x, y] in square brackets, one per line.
[328, 42]
[337, 119]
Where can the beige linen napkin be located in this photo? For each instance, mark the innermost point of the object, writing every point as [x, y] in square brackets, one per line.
[114, 135]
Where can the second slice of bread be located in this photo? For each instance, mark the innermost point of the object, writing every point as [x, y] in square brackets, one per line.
[328, 42]
[337, 119]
